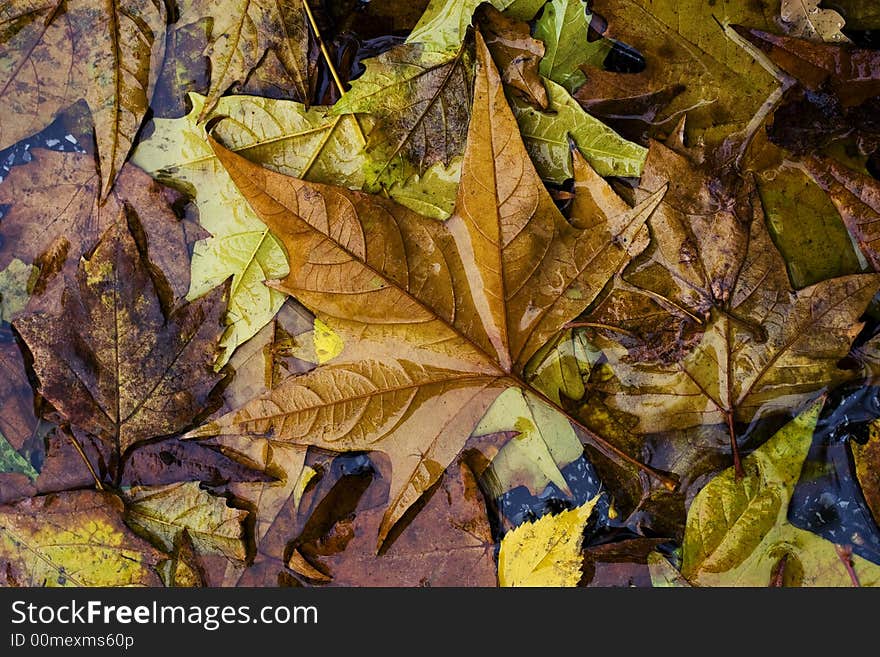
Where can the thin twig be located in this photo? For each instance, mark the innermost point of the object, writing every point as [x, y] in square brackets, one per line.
[330, 64]
[85, 459]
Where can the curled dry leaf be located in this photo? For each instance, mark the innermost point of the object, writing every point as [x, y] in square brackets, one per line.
[73, 539]
[434, 333]
[52, 55]
[116, 361]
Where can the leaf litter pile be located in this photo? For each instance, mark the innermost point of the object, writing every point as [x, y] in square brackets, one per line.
[519, 293]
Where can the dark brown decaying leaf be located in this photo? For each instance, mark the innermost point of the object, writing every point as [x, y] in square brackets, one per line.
[55, 215]
[437, 318]
[117, 363]
[712, 331]
[516, 54]
[17, 417]
[55, 52]
[241, 33]
[448, 543]
[851, 74]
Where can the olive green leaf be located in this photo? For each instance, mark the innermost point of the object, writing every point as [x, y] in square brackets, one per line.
[563, 28]
[12, 461]
[15, 282]
[685, 42]
[547, 134]
[737, 530]
[161, 513]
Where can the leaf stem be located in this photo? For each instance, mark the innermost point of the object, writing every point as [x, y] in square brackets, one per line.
[330, 64]
[737, 462]
[610, 450]
[599, 325]
[844, 553]
[85, 459]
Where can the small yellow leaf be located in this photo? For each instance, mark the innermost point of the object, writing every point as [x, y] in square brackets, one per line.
[546, 552]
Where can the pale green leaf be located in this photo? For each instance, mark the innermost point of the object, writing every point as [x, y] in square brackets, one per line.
[544, 443]
[563, 28]
[546, 135]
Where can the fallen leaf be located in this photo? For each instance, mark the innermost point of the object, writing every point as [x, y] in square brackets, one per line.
[866, 457]
[516, 54]
[856, 197]
[563, 28]
[546, 552]
[284, 136]
[737, 529]
[804, 19]
[663, 573]
[629, 103]
[547, 135]
[542, 443]
[685, 42]
[430, 336]
[444, 23]
[56, 52]
[449, 543]
[242, 32]
[12, 461]
[15, 283]
[162, 513]
[115, 361]
[183, 568]
[417, 98]
[73, 539]
[851, 74]
[55, 214]
[714, 332]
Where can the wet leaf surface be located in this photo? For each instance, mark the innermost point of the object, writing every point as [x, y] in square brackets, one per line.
[439, 293]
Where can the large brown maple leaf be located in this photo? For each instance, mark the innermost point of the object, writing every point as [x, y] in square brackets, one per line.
[437, 318]
[704, 327]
